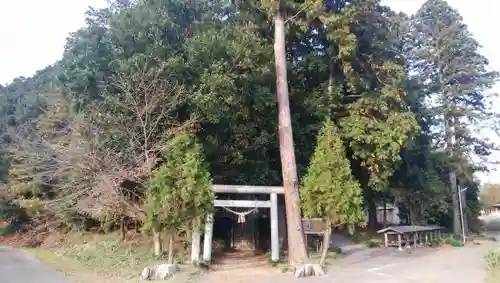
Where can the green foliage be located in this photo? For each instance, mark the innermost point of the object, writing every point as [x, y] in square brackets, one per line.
[449, 240]
[335, 249]
[374, 243]
[370, 70]
[329, 190]
[453, 241]
[96, 255]
[492, 259]
[179, 192]
[104, 255]
[13, 215]
[435, 243]
[446, 60]
[360, 237]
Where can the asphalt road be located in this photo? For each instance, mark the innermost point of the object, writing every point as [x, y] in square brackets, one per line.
[457, 265]
[18, 267]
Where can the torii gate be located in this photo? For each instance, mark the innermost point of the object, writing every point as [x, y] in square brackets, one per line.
[272, 203]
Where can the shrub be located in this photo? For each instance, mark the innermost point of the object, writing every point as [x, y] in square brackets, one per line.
[475, 232]
[362, 236]
[435, 243]
[453, 241]
[14, 216]
[374, 243]
[492, 259]
[335, 249]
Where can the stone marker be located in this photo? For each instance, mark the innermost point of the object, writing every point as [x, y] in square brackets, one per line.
[160, 271]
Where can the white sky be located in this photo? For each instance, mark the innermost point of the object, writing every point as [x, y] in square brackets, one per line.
[33, 33]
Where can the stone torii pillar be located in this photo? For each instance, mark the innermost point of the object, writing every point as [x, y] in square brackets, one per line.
[272, 191]
[275, 241]
[207, 239]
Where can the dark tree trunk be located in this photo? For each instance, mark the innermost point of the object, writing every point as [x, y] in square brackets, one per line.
[385, 213]
[372, 214]
[450, 144]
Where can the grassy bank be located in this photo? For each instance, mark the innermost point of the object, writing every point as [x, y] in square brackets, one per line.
[90, 258]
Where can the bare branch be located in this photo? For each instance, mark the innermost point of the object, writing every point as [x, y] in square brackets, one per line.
[97, 161]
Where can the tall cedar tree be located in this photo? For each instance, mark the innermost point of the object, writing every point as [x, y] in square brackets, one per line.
[296, 241]
[446, 58]
[179, 193]
[328, 189]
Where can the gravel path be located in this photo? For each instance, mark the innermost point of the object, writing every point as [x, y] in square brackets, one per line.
[426, 265]
[457, 265]
[18, 267]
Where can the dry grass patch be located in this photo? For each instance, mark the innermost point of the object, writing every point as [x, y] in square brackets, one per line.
[90, 258]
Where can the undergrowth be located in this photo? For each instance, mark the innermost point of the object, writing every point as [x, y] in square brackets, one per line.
[111, 255]
[452, 241]
[492, 260]
[7, 231]
[374, 243]
[368, 238]
[104, 255]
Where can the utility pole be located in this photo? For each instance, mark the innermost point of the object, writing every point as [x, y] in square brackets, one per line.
[462, 212]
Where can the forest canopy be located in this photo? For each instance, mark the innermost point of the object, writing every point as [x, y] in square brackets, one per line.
[406, 95]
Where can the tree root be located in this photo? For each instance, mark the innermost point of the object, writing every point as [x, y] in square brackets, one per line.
[309, 269]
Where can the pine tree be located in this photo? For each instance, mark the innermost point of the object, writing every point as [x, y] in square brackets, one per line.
[179, 192]
[329, 190]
